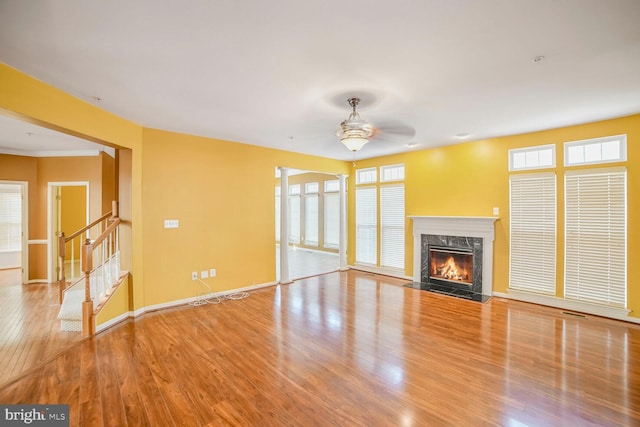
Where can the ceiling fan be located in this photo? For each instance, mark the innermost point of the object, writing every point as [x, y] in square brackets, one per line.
[355, 132]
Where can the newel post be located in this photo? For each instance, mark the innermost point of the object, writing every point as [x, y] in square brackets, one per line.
[62, 281]
[114, 209]
[87, 305]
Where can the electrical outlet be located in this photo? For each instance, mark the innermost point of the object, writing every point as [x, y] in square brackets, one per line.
[212, 272]
[194, 275]
[496, 211]
[204, 274]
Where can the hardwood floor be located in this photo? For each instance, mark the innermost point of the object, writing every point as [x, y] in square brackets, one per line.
[347, 349]
[30, 333]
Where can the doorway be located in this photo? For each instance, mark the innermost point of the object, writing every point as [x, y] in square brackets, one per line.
[14, 227]
[68, 208]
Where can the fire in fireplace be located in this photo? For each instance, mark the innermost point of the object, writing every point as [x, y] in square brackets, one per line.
[451, 265]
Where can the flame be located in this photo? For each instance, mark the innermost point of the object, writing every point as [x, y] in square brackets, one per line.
[449, 270]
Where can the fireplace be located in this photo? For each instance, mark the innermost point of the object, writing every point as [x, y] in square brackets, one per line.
[454, 253]
[452, 261]
[450, 265]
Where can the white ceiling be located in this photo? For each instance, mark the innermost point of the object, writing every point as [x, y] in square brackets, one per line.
[278, 73]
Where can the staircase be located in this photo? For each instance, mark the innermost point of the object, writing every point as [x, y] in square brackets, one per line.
[81, 301]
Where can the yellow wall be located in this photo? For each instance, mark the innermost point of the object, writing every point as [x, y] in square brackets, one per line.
[117, 304]
[222, 193]
[471, 179]
[73, 215]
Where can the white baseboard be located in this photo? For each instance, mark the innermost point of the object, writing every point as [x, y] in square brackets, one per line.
[383, 271]
[109, 323]
[184, 301]
[582, 307]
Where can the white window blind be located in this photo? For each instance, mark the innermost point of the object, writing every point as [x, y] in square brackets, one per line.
[277, 214]
[533, 233]
[10, 218]
[366, 225]
[331, 220]
[294, 219]
[392, 226]
[595, 241]
[311, 220]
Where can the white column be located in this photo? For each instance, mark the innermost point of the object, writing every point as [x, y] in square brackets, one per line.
[284, 225]
[343, 222]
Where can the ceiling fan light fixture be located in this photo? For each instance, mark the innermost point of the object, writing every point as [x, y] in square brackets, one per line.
[354, 132]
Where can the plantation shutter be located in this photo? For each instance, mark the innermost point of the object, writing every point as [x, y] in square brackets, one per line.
[10, 218]
[294, 219]
[533, 233]
[392, 226]
[277, 214]
[331, 220]
[595, 243]
[311, 219]
[366, 225]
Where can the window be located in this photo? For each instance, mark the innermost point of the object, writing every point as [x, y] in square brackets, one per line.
[539, 157]
[595, 236]
[311, 187]
[10, 218]
[392, 173]
[294, 213]
[380, 223]
[331, 220]
[277, 214]
[366, 225]
[532, 199]
[311, 219]
[366, 176]
[598, 150]
[392, 226]
[332, 186]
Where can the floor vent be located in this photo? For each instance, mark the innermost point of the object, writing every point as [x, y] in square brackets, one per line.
[574, 314]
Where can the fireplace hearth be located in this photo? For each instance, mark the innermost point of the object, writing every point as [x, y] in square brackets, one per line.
[454, 256]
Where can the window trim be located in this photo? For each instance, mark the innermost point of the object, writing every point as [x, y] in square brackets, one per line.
[593, 141]
[536, 148]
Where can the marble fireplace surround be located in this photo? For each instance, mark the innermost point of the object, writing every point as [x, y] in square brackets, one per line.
[460, 226]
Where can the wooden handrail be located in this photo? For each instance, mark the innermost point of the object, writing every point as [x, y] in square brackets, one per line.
[104, 235]
[63, 240]
[86, 227]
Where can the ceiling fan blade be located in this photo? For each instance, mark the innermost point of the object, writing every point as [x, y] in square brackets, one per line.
[393, 131]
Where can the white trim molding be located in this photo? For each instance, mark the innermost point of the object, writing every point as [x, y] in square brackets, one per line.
[565, 304]
[462, 226]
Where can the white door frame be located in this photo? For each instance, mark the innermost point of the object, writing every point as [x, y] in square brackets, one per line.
[24, 262]
[51, 186]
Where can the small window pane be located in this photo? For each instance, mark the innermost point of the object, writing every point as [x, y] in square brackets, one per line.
[366, 176]
[519, 161]
[311, 187]
[294, 189]
[611, 150]
[392, 173]
[331, 186]
[592, 153]
[598, 150]
[576, 154]
[532, 157]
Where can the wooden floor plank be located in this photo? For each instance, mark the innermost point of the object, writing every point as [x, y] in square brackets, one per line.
[352, 349]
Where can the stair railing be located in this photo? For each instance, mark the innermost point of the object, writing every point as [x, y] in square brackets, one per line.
[101, 268]
[75, 240]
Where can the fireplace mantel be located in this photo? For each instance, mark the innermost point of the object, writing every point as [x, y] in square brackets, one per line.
[469, 226]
